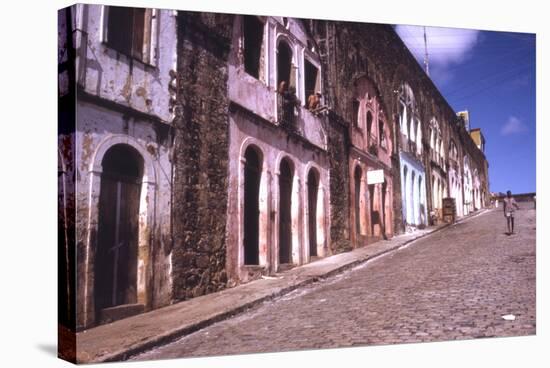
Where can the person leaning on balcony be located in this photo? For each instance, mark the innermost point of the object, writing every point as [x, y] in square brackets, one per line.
[509, 207]
[313, 101]
[314, 104]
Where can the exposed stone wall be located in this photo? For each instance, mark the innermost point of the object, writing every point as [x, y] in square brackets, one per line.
[338, 151]
[201, 155]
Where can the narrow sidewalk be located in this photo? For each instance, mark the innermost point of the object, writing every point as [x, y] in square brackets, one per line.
[124, 338]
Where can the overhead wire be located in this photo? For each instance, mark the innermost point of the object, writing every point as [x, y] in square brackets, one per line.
[488, 87]
[494, 75]
[416, 44]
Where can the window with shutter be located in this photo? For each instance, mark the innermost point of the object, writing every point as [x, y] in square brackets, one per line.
[129, 31]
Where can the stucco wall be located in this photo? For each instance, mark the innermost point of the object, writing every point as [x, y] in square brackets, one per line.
[98, 129]
[106, 73]
[273, 144]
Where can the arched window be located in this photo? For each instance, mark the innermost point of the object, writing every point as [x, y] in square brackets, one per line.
[312, 79]
[435, 137]
[285, 22]
[403, 117]
[453, 152]
[367, 109]
[381, 134]
[406, 110]
[412, 129]
[284, 65]
[369, 127]
[355, 110]
[418, 138]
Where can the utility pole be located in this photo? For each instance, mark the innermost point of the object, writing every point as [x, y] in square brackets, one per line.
[426, 60]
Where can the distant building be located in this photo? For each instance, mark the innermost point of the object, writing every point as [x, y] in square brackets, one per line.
[464, 116]
[478, 138]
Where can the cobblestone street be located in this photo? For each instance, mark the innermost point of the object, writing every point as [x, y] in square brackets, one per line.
[454, 284]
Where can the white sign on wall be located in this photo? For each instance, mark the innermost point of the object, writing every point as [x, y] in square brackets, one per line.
[375, 176]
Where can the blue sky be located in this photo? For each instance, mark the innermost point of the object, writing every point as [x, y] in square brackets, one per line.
[492, 75]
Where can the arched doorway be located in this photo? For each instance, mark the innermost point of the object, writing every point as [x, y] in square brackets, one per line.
[415, 201]
[357, 183]
[406, 200]
[118, 227]
[374, 220]
[384, 207]
[252, 176]
[312, 193]
[285, 213]
[421, 205]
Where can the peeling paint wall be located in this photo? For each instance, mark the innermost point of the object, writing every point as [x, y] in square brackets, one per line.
[123, 101]
[100, 128]
[273, 144]
[109, 74]
[254, 122]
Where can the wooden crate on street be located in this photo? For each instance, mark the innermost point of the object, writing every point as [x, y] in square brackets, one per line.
[449, 210]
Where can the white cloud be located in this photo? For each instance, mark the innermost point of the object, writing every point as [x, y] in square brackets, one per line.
[446, 47]
[513, 126]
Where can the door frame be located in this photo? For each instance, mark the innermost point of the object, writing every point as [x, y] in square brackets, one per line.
[146, 225]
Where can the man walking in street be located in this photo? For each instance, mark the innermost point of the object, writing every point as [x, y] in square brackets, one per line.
[509, 206]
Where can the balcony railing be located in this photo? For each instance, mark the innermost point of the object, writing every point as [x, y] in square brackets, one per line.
[286, 111]
[296, 119]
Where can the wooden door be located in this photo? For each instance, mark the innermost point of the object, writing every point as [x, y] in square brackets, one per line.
[117, 251]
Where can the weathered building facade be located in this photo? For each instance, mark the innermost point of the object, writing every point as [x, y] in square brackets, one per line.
[278, 153]
[119, 151]
[211, 149]
[424, 128]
